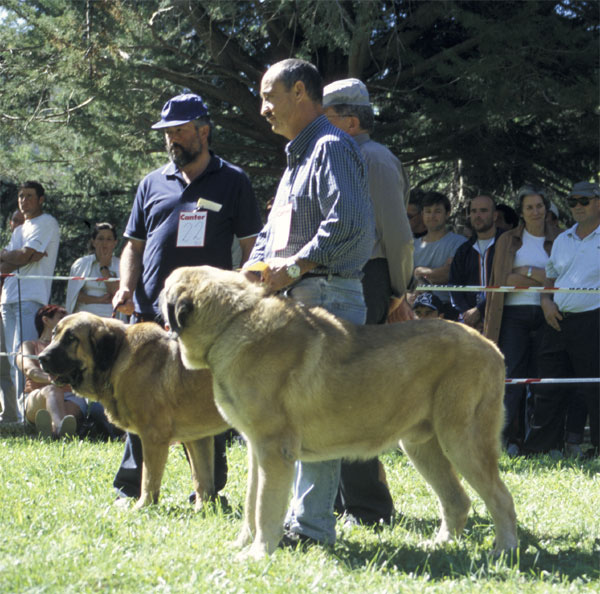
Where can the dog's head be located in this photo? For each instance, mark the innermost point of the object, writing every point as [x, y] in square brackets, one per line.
[83, 350]
[198, 302]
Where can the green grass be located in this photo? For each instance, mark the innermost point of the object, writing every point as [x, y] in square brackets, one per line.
[62, 533]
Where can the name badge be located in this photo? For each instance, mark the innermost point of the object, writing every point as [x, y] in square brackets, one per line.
[281, 221]
[192, 229]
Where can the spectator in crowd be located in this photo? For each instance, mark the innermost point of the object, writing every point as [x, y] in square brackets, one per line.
[414, 213]
[552, 217]
[318, 237]
[54, 410]
[95, 297]
[571, 340]
[515, 320]
[506, 217]
[185, 213]
[92, 295]
[433, 253]
[32, 251]
[363, 495]
[427, 305]
[8, 399]
[472, 262]
[16, 220]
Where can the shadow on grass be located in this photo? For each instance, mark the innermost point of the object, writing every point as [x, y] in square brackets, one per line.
[472, 554]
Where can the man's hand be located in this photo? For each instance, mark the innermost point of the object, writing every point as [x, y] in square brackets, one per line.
[275, 277]
[472, 317]
[551, 312]
[399, 311]
[123, 302]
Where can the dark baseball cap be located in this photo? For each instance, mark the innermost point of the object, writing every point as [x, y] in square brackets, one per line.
[584, 188]
[181, 109]
[428, 300]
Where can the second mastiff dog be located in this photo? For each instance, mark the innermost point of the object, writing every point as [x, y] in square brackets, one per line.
[301, 384]
[137, 374]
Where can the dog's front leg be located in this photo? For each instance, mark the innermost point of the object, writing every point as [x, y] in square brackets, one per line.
[155, 458]
[201, 454]
[275, 477]
[249, 526]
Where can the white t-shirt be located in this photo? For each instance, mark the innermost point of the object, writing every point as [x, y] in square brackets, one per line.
[41, 234]
[531, 253]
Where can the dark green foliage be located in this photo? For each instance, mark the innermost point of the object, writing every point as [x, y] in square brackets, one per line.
[473, 96]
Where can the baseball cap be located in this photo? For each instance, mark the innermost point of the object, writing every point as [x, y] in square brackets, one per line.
[349, 91]
[584, 188]
[428, 300]
[181, 109]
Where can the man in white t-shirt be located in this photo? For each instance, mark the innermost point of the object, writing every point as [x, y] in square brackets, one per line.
[32, 251]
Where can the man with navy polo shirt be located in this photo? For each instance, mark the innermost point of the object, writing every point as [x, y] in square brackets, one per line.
[184, 214]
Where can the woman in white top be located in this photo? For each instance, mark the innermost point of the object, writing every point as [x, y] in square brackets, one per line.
[515, 320]
[92, 295]
[95, 296]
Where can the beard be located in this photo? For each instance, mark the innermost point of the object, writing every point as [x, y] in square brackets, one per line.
[483, 226]
[182, 156]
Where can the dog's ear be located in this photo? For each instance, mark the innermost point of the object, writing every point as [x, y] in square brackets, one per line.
[105, 344]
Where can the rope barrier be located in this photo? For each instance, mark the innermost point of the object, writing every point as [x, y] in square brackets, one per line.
[503, 289]
[67, 278]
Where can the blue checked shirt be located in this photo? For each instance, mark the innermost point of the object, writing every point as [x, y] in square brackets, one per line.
[332, 221]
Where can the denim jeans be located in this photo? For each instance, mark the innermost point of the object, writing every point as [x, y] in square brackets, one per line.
[19, 325]
[519, 341]
[316, 483]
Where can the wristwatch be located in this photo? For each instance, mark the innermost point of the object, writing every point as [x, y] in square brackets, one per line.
[293, 271]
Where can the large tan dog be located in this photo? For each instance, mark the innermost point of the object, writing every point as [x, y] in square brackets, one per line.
[301, 384]
[137, 374]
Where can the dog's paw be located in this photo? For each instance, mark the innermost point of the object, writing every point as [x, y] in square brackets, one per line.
[252, 553]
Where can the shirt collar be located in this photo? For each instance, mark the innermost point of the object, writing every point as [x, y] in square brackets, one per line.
[297, 146]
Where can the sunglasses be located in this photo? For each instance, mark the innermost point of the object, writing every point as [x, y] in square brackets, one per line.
[572, 202]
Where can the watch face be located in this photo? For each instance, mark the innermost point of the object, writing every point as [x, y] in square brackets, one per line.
[293, 271]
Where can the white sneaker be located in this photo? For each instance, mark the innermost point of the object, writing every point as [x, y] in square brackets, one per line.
[68, 426]
[43, 422]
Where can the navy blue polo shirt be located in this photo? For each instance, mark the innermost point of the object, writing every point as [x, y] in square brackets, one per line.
[164, 204]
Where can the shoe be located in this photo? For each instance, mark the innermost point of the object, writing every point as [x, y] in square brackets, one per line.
[513, 450]
[573, 450]
[293, 540]
[43, 423]
[68, 426]
[555, 454]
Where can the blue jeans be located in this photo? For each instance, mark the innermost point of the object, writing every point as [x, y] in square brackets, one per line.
[316, 483]
[520, 340]
[19, 325]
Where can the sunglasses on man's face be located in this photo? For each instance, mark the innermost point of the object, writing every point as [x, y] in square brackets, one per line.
[584, 201]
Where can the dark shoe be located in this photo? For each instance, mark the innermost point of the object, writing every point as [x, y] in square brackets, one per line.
[293, 540]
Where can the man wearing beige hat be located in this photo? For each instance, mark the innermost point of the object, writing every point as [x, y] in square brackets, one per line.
[363, 492]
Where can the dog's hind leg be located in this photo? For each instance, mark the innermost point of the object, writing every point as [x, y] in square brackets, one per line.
[477, 460]
[155, 457]
[248, 530]
[436, 469]
[201, 455]
[275, 477]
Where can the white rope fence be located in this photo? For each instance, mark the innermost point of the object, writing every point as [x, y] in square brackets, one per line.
[458, 288]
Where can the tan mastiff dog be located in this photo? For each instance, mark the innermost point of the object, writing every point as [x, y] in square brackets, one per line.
[136, 373]
[301, 384]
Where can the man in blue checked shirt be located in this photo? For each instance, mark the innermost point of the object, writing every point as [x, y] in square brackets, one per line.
[319, 235]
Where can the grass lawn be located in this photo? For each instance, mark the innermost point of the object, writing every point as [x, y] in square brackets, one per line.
[62, 533]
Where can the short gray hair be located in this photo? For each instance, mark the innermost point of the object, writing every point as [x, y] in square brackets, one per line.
[364, 113]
